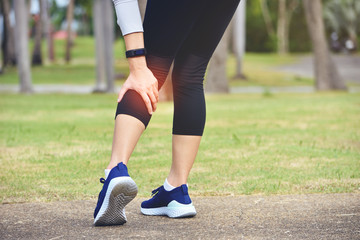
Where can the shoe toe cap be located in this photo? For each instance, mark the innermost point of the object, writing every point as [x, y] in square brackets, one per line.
[145, 204]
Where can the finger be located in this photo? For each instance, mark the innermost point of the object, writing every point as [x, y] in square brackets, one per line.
[156, 92]
[153, 100]
[147, 102]
[122, 93]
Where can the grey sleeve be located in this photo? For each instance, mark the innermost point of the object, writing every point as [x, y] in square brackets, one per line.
[128, 16]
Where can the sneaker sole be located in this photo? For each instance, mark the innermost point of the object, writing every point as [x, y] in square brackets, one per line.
[120, 192]
[172, 210]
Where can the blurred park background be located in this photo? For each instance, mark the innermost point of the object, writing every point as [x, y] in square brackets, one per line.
[283, 101]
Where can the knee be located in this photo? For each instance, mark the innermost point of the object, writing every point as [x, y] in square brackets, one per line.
[132, 104]
[189, 71]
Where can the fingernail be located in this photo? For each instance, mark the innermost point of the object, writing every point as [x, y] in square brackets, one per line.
[118, 100]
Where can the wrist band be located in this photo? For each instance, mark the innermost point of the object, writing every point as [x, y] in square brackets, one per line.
[135, 53]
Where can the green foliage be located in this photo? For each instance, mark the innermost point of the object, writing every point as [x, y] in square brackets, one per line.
[257, 38]
[343, 17]
[58, 14]
[55, 147]
[299, 36]
[82, 13]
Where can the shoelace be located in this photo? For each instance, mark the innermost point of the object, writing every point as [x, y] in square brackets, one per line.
[102, 180]
[154, 192]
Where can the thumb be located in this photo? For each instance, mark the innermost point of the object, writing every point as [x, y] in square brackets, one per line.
[122, 93]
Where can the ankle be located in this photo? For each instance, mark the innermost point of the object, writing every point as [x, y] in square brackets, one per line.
[175, 182]
[167, 186]
[113, 164]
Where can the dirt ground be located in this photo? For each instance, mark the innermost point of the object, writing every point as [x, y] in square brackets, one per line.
[314, 216]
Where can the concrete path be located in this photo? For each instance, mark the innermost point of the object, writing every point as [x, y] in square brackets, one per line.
[348, 66]
[317, 216]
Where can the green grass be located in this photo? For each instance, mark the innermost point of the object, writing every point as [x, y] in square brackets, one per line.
[81, 69]
[55, 147]
[259, 68]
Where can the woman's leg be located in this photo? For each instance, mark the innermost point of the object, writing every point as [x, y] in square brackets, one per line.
[188, 75]
[132, 116]
[172, 199]
[127, 132]
[184, 150]
[163, 35]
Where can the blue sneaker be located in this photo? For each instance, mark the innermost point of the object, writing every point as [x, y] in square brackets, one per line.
[174, 204]
[118, 190]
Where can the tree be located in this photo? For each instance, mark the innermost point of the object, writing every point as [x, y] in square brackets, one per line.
[9, 43]
[217, 81]
[343, 17]
[21, 31]
[285, 12]
[239, 38]
[48, 29]
[37, 53]
[1, 51]
[142, 8]
[69, 40]
[267, 18]
[104, 38]
[284, 16]
[326, 73]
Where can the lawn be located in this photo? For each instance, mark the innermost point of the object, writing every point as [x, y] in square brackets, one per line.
[259, 68]
[55, 147]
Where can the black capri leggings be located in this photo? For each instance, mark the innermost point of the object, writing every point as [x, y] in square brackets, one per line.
[186, 32]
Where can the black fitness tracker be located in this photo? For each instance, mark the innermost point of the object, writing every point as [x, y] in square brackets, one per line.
[136, 53]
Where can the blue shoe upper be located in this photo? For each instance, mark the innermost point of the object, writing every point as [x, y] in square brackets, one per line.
[161, 197]
[118, 171]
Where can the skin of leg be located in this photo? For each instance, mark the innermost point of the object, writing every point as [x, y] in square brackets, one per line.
[127, 132]
[184, 150]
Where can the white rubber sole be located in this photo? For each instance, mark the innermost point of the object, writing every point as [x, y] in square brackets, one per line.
[173, 210]
[120, 192]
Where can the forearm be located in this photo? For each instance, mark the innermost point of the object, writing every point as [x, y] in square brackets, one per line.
[140, 79]
[129, 20]
[135, 41]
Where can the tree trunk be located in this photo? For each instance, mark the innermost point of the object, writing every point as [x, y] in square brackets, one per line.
[267, 19]
[281, 28]
[109, 44]
[142, 8]
[104, 39]
[1, 49]
[99, 46]
[21, 31]
[37, 54]
[326, 73]
[289, 13]
[217, 81]
[9, 46]
[69, 40]
[239, 33]
[47, 30]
